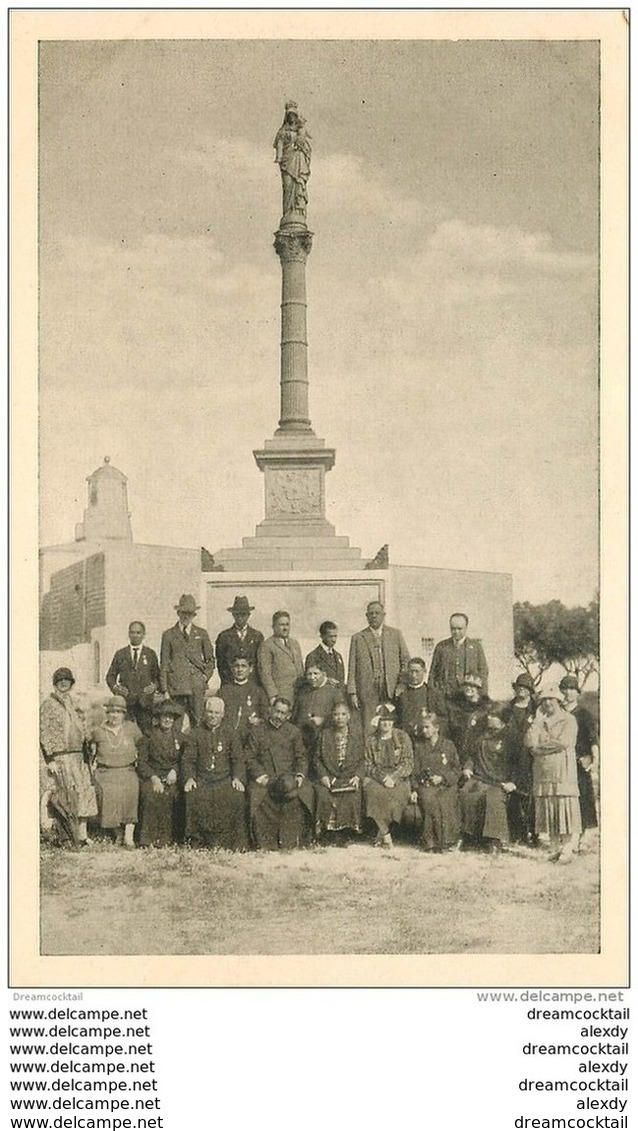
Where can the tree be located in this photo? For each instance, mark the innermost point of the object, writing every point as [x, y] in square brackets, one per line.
[554, 634]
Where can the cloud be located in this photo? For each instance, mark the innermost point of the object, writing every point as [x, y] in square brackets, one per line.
[486, 248]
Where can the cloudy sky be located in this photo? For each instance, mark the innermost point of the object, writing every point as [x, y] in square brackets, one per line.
[452, 292]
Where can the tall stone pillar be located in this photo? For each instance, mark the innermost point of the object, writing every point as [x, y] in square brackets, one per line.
[293, 245]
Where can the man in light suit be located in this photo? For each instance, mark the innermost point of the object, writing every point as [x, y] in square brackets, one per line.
[325, 655]
[452, 661]
[378, 655]
[187, 660]
[240, 640]
[134, 674]
[279, 661]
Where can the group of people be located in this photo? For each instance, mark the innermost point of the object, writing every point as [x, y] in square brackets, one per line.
[288, 750]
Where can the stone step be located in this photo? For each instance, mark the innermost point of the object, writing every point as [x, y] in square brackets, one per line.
[300, 529]
[300, 552]
[267, 541]
[293, 564]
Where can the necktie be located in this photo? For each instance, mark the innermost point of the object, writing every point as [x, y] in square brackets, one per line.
[136, 656]
[185, 632]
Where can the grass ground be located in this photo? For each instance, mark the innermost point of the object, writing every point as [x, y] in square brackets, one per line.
[358, 900]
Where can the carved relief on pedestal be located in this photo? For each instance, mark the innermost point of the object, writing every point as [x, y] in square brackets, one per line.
[293, 492]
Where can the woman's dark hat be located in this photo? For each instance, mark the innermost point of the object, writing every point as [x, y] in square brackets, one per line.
[62, 673]
[167, 707]
[569, 683]
[524, 680]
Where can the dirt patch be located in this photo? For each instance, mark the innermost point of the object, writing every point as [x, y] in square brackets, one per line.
[319, 901]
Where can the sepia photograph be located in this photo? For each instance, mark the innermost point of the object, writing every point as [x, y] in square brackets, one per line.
[319, 420]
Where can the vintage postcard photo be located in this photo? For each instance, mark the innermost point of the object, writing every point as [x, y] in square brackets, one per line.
[319, 481]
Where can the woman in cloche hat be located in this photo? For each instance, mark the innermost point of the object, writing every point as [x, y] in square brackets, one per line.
[67, 794]
[388, 765]
[115, 746]
[159, 754]
[551, 740]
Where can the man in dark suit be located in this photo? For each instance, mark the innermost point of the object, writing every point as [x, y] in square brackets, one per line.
[242, 639]
[134, 674]
[187, 660]
[378, 655]
[453, 660]
[325, 655]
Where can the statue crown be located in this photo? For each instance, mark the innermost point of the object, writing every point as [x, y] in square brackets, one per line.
[291, 106]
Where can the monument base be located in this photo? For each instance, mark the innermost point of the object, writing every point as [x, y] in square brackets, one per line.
[294, 534]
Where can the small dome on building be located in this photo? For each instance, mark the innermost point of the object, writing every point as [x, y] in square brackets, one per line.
[107, 515]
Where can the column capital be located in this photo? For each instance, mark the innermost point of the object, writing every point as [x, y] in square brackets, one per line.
[293, 244]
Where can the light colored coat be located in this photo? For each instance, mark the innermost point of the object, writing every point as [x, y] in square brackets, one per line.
[280, 668]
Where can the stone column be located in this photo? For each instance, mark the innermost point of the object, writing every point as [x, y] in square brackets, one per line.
[293, 244]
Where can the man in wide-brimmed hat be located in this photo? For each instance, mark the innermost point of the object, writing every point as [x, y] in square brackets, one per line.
[240, 638]
[187, 660]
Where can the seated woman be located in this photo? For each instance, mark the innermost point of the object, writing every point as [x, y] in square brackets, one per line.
[158, 762]
[388, 765]
[488, 769]
[67, 794]
[116, 780]
[339, 768]
[215, 782]
[314, 703]
[467, 712]
[435, 780]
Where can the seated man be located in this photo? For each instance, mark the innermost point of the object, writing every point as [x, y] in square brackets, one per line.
[246, 702]
[281, 797]
[326, 655]
[484, 795]
[215, 774]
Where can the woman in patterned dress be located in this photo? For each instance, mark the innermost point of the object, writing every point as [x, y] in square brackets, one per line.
[66, 788]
